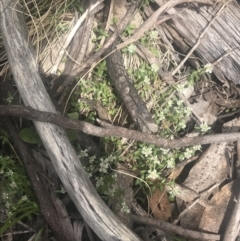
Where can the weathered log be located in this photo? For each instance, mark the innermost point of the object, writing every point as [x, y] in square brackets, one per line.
[55, 218]
[220, 43]
[22, 60]
[134, 104]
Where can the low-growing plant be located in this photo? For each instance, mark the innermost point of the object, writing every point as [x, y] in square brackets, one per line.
[17, 197]
[169, 112]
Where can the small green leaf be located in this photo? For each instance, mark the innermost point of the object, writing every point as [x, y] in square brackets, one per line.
[73, 115]
[30, 136]
[72, 134]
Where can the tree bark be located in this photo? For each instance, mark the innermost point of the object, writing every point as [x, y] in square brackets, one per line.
[22, 60]
[219, 45]
[134, 104]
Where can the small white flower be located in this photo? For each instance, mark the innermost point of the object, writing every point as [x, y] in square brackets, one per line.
[131, 48]
[204, 127]
[161, 116]
[164, 151]
[197, 148]
[171, 163]
[146, 151]
[153, 34]
[146, 80]
[111, 192]
[111, 159]
[153, 175]
[24, 198]
[5, 195]
[125, 208]
[10, 172]
[84, 153]
[1, 171]
[179, 102]
[181, 157]
[182, 125]
[99, 182]
[114, 176]
[174, 191]
[154, 68]
[188, 153]
[7, 204]
[208, 68]
[180, 87]
[155, 160]
[92, 159]
[188, 111]
[170, 103]
[13, 185]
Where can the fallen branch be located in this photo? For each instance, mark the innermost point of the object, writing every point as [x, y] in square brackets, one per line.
[122, 25]
[151, 21]
[200, 38]
[156, 223]
[108, 130]
[52, 216]
[71, 34]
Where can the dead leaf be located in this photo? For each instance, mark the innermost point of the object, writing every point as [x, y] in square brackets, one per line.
[160, 205]
[213, 215]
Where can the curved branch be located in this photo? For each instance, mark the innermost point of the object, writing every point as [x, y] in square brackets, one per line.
[108, 130]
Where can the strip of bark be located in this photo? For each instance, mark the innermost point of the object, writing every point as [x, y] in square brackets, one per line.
[174, 229]
[134, 104]
[77, 53]
[121, 27]
[47, 208]
[151, 21]
[109, 130]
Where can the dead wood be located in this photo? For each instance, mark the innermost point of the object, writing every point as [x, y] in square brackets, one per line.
[174, 229]
[220, 44]
[54, 218]
[230, 225]
[77, 51]
[96, 56]
[108, 130]
[124, 87]
[22, 60]
[151, 21]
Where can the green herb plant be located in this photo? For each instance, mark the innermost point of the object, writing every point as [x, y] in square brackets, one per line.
[17, 197]
[169, 112]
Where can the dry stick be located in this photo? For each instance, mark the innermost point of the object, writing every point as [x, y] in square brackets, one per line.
[45, 201]
[156, 223]
[229, 52]
[96, 56]
[110, 41]
[200, 38]
[71, 35]
[233, 226]
[138, 33]
[108, 130]
[201, 200]
[151, 21]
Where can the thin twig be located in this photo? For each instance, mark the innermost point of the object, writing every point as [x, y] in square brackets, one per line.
[108, 130]
[174, 229]
[152, 20]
